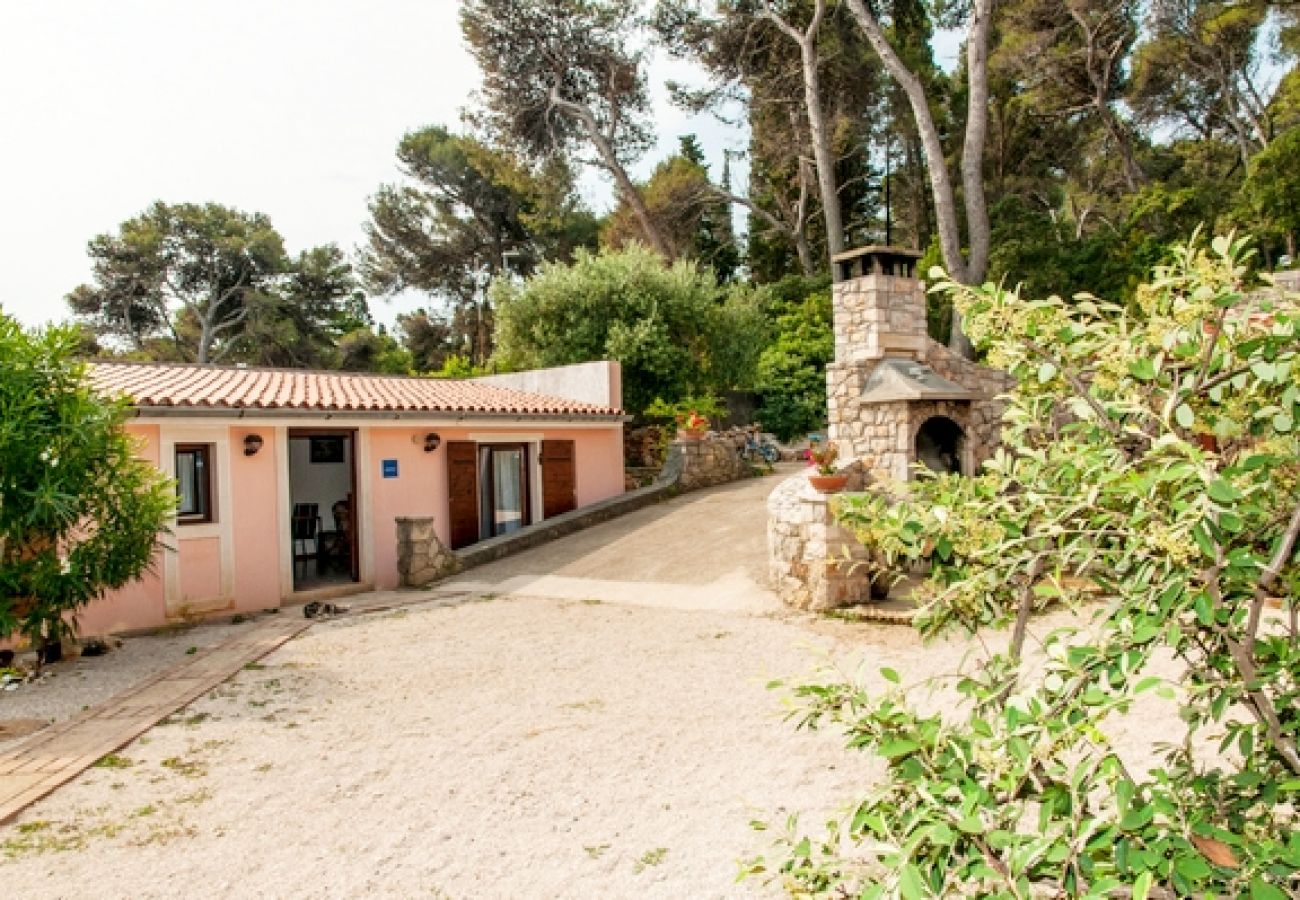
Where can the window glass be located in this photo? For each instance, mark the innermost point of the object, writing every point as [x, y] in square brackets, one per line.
[193, 483]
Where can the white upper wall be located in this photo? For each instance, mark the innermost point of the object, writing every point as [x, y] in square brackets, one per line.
[598, 383]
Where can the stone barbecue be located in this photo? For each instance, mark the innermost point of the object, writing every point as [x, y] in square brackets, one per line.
[895, 396]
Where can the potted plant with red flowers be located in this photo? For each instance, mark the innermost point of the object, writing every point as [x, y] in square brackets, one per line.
[692, 426]
[827, 479]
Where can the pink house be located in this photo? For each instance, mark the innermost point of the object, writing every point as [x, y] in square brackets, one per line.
[289, 482]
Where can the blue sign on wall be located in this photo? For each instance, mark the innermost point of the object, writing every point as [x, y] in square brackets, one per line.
[390, 468]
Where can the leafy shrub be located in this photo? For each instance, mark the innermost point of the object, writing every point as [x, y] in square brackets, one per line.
[670, 328]
[80, 513]
[792, 369]
[1151, 468]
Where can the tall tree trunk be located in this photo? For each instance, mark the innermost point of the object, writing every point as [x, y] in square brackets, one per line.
[627, 189]
[972, 160]
[960, 269]
[945, 203]
[977, 124]
[817, 130]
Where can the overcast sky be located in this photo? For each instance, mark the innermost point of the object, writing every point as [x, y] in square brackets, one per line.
[288, 107]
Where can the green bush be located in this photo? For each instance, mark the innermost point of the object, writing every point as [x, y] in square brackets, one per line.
[792, 369]
[80, 513]
[670, 328]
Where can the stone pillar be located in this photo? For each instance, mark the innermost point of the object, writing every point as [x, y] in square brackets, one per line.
[813, 562]
[421, 558]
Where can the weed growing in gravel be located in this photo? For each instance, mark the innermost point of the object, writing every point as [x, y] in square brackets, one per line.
[187, 767]
[113, 761]
[595, 851]
[650, 858]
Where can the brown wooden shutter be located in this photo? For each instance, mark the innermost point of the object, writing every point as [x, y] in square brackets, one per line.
[462, 490]
[558, 478]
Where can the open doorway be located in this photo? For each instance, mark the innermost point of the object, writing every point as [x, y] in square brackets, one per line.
[323, 508]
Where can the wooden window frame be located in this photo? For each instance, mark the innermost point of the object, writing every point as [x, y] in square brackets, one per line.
[204, 484]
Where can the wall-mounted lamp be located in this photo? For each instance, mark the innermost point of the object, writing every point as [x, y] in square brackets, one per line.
[252, 443]
[431, 442]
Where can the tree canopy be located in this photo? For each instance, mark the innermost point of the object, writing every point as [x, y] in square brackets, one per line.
[208, 283]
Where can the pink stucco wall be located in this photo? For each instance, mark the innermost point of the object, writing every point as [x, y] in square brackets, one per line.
[257, 534]
[200, 570]
[420, 489]
[421, 486]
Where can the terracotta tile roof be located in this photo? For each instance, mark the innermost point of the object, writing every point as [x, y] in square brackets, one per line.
[240, 388]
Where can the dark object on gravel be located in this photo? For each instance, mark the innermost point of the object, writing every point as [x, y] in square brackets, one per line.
[94, 647]
[6, 658]
[318, 610]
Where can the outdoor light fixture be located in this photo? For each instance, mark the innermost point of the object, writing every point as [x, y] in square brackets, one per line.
[252, 443]
[431, 442]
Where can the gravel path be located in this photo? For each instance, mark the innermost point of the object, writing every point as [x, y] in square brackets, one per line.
[70, 686]
[513, 747]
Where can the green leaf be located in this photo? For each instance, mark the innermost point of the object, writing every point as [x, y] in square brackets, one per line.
[911, 886]
[1143, 369]
[1283, 422]
[1046, 372]
[1142, 886]
[1193, 868]
[890, 675]
[898, 747]
[1222, 491]
[1264, 371]
[1262, 890]
[1185, 416]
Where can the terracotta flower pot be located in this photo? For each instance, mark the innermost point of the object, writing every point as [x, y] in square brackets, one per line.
[691, 434]
[828, 484]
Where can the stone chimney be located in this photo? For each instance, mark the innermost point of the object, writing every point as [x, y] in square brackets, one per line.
[879, 306]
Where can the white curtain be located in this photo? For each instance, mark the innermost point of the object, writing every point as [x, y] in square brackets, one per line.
[506, 471]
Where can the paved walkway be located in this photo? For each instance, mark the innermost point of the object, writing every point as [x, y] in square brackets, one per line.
[704, 550]
[56, 755]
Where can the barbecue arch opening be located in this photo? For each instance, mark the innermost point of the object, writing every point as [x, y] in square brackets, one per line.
[940, 443]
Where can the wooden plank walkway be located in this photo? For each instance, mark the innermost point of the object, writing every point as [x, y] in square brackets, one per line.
[56, 755]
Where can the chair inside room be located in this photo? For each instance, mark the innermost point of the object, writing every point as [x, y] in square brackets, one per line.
[305, 530]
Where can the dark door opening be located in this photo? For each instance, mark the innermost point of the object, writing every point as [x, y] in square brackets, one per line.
[323, 508]
[939, 445]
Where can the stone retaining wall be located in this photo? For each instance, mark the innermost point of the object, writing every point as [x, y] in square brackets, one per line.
[814, 563]
[707, 462]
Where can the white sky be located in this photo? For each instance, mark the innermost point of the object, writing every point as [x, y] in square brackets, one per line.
[289, 107]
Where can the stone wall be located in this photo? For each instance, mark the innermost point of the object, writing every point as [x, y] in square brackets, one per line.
[814, 563]
[707, 462]
[422, 559]
[877, 315]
